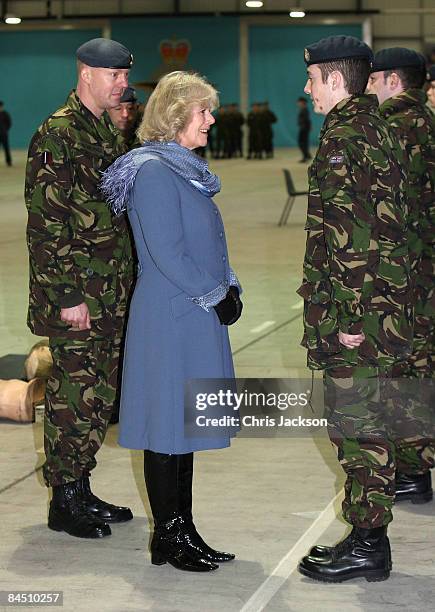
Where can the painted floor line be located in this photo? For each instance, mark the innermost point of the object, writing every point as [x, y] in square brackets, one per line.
[262, 327]
[298, 305]
[266, 591]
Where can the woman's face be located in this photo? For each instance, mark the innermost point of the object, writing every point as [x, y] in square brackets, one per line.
[195, 133]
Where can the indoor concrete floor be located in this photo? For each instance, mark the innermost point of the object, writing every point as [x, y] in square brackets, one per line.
[266, 499]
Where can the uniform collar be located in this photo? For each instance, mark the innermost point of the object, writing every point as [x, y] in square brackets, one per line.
[349, 107]
[101, 124]
[403, 101]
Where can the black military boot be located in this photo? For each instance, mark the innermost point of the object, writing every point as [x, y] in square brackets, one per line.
[366, 555]
[415, 488]
[68, 514]
[168, 543]
[101, 509]
[324, 552]
[192, 537]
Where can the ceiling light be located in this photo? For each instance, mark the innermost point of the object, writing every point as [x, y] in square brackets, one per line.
[297, 14]
[254, 4]
[12, 20]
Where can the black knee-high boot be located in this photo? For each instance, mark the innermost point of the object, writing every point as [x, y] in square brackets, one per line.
[192, 537]
[168, 543]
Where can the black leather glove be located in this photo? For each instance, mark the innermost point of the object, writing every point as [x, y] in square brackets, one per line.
[230, 308]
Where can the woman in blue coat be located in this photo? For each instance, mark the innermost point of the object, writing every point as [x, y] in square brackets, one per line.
[186, 295]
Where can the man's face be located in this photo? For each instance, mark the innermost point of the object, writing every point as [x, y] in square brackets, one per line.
[379, 86]
[107, 86]
[123, 116]
[431, 93]
[319, 92]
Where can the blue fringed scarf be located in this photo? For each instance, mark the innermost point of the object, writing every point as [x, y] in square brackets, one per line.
[118, 180]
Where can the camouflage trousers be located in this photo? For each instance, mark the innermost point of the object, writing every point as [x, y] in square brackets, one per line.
[415, 453]
[79, 400]
[357, 430]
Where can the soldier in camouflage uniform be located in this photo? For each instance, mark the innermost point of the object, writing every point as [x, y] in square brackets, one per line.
[126, 118]
[80, 278]
[356, 289]
[431, 87]
[397, 78]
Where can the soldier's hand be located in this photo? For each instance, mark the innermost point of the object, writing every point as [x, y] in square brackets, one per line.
[77, 316]
[350, 341]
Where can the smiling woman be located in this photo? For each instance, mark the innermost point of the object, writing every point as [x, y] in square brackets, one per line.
[185, 297]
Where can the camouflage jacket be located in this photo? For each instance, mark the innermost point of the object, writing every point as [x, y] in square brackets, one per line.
[77, 251]
[414, 125]
[356, 267]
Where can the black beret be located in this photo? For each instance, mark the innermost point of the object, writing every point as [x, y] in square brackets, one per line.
[431, 73]
[337, 48]
[104, 53]
[397, 57]
[129, 95]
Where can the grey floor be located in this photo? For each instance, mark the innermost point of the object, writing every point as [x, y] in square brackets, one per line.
[266, 499]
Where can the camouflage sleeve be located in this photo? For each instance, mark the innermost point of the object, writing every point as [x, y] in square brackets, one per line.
[345, 188]
[49, 185]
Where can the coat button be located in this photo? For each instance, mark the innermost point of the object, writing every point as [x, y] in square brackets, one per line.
[224, 258]
[215, 211]
[221, 234]
[89, 272]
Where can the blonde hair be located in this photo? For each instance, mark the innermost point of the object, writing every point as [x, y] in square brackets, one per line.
[169, 107]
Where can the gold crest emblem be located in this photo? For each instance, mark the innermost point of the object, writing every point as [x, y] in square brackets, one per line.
[306, 55]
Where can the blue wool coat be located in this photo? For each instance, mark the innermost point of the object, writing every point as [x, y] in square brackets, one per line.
[171, 338]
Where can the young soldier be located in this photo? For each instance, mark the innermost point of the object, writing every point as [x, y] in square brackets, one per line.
[356, 288]
[80, 277]
[431, 86]
[126, 118]
[397, 78]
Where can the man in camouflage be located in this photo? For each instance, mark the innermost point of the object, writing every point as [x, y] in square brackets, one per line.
[356, 290]
[126, 118]
[80, 278]
[431, 86]
[397, 78]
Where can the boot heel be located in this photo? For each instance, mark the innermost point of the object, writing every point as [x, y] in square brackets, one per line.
[157, 558]
[423, 498]
[54, 523]
[378, 576]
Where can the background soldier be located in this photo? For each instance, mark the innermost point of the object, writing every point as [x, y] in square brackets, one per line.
[304, 125]
[5, 126]
[431, 86]
[397, 78]
[221, 131]
[236, 132]
[267, 119]
[126, 118]
[80, 277]
[255, 143]
[356, 288]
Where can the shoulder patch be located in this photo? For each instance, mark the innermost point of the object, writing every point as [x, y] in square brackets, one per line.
[336, 160]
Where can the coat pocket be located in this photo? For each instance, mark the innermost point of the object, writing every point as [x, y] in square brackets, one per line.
[181, 305]
[320, 317]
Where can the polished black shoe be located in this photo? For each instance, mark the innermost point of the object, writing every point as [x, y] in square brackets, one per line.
[197, 545]
[324, 552]
[68, 514]
[169, 545]
[101, 509]
[415, 488]
[366, 555]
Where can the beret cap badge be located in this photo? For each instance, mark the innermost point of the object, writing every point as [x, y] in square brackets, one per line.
[306, 55]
